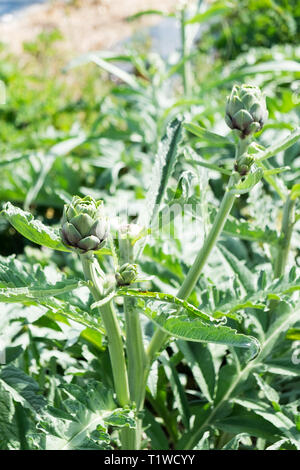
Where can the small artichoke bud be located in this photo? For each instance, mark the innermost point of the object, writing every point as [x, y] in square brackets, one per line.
[84, 226]
[243, 165]
[246, 110]
[127, 274]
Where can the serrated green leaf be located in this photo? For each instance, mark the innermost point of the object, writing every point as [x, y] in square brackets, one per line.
[201, 363]
[214, 139]
[31, 228]
[282, 369]
[9, 435]
[246, 278]
[11, 353]
[22, 388]
[209, 166]
[243, 229]
[181, 401]
[245, 422]
[182, 320]
[82, 421]
[154, 430]
[277, 445]
[58, 150]
[246, 231]
[249, 182]
[27, 284]
[164, 165]
[269, 392]
[182, 326]
[22, 294]
[279, 289]
[288, 316]
[279, 419]
[171, 299]
[280, 146]
[203, 444]
[234, 443]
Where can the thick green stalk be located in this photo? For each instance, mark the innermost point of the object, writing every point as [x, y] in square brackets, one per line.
[136, 356]
[210, 241]
[288, 221]
[159, 338]
[136, 359]
[287, 224]
[135, 352]
[155, 346]
[192, 277]
[113, 331]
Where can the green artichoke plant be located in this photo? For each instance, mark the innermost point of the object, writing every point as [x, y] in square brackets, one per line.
[126, 274]
[84, 226]
[246, 110]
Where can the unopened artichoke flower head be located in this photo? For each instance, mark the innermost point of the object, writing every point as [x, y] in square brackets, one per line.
[127, 274]
[84, 226]
[246, 110]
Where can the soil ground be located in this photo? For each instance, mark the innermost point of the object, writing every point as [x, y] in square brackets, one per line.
[85, 24]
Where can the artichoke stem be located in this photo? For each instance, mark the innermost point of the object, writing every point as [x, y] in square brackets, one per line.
[113, 331]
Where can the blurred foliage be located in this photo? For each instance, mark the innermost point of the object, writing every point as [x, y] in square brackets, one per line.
[254, 23]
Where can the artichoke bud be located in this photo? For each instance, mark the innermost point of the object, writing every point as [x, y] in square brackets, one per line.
[243, 165]
[84, 226]
[246, 110]
[127, 274]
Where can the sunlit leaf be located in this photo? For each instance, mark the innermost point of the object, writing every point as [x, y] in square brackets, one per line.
[32, 228]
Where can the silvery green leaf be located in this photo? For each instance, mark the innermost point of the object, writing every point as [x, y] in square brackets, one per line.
[32, 228]
[249, 182]
[163, 167]
[182, 320]
[82, 420]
